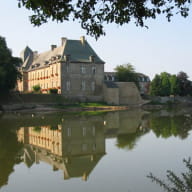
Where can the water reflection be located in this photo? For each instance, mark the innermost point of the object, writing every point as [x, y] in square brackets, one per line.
[9, 153]
[75, 144]
[166, 124]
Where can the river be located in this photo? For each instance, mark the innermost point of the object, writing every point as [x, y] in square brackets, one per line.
[101, 151]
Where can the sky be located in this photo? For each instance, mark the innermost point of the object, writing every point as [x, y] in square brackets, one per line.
[164, 47]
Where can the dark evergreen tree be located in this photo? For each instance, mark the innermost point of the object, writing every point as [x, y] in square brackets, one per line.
[9, 73]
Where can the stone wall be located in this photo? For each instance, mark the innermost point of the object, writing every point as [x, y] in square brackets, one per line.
[111, 95]
[126, 93]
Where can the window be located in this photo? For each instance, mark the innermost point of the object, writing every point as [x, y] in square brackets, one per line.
[68, 132]
[84, 131]
[83, 85]
[83, 69]
[68, 85]
[93, 70]
[93, 85]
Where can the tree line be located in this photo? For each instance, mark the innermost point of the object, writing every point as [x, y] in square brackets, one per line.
[166, 84]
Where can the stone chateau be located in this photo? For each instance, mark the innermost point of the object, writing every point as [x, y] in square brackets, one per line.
[73, 68]
[76, 71]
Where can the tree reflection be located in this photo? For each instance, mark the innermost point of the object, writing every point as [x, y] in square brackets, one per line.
[9, 150]
[162, 126]
[129, 140]
[171, 126]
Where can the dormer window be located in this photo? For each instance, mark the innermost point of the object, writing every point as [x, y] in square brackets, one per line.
[67, 57]
[92, 58]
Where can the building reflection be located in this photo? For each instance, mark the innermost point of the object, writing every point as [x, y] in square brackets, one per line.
[76, 144]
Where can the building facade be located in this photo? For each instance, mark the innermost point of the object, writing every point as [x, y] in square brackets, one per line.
[75, 71]
[144, 81]
[73, 68]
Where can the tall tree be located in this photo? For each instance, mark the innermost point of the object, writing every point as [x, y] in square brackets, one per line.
[93, 14]
[174, 83]
[9, 73]
[185, 86]
[165, 84]
[126, 73]
[155, 86]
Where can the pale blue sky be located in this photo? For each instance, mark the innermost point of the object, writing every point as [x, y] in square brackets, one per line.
[163, 47]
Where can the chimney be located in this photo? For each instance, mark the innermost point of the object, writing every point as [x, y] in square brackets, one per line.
[53, 47]
[35, 54]
[63, 39]
[82, 39]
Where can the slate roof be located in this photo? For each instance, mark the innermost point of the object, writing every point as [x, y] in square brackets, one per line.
[77, 51]
[80, 52]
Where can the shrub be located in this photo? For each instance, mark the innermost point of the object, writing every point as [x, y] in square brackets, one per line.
[176, 183]
[37, 88]
[53, 91]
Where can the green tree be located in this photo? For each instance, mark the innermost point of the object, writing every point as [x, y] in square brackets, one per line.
[126, 73]
[174, 83]
[9, 73]
[92, 14]
[155, 86]
[185, 86]
[165, 84]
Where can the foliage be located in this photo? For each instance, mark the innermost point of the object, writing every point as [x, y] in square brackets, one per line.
[171, 126]
[37, 129]
[176, 183]
[166, 84]
[93, 14]
[37, 88]
[54, 127]
[126, 73]
[53, 91]
[9, 149]
[160, 85]
[128, 141]
[155, 85]
[174, 83]
[9, 73]
[185, 86]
